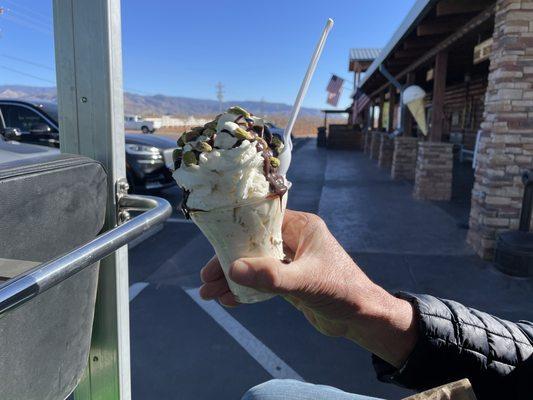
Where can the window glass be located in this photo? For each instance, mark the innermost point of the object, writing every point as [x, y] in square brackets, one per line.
[21, 117]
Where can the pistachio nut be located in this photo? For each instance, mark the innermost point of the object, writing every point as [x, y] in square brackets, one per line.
[211, 125]
[177, 154]
[182, 139]
[242, 134]
[192, 135]
[189, 158]
[276, 141]
[209, 132]
[239, 111]
[203, 147]
[275, 162]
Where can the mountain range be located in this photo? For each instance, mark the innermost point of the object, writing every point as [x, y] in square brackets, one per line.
[160, 104]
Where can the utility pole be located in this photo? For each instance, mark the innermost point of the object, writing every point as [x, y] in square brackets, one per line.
[262, 107]
[220, 96]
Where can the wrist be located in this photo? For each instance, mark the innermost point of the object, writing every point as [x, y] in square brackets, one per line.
[384, 325]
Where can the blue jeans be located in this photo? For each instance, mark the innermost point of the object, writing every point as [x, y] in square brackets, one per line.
[288, 389]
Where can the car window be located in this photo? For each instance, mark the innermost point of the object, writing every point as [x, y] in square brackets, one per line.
[21, 117]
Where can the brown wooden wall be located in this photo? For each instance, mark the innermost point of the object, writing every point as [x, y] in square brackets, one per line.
[463, 108]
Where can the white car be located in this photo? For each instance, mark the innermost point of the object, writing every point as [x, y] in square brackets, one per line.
[137, 123]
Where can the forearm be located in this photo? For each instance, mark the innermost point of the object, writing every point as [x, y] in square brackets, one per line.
[386, 326]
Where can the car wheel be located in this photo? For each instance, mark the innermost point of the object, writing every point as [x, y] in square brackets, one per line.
[145, 129]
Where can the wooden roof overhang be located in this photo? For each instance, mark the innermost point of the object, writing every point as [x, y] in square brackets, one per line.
[433, 26]
[333, 111]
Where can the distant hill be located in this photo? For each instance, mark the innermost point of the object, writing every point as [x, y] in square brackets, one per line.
[160, 104]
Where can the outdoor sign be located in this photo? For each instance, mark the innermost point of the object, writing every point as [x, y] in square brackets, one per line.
[482, 51]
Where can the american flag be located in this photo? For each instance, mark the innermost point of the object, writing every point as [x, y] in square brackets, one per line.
[333, 98]
[335, 84]
[360, 102]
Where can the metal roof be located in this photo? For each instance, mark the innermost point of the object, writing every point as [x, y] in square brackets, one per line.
[418, 11]
[364, 54]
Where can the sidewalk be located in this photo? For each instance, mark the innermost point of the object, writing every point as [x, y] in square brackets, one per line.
[405, 244]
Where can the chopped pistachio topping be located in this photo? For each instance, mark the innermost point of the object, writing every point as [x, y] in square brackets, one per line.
[276, 141]
[239, 111]
[203, 147]
[209, 132]
[192, 135]
[275, 162]
[189, 158]
[243, 134]
[176, 154]
[211, 125]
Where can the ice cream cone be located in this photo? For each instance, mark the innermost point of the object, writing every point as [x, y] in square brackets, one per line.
[418, 110]
[251, 229]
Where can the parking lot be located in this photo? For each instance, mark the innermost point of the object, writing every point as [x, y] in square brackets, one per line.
[185, 348]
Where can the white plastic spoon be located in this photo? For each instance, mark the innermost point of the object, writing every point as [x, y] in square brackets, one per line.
[286, 154]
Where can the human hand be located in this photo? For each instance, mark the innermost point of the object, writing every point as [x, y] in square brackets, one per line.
[326, 285]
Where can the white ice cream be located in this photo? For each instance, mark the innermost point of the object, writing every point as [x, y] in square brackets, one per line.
[224, 177]
[229, 195]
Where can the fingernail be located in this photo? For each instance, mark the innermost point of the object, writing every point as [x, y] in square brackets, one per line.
[241, 273]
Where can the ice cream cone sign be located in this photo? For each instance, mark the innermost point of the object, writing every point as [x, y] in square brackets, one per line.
[413, 97]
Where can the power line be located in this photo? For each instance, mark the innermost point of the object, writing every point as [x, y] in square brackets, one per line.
[29, 18]
[26, 74]
[29, 10]
[28, 62]
[27, 24]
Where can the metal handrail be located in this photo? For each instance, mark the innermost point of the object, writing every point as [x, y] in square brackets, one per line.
[49, 274]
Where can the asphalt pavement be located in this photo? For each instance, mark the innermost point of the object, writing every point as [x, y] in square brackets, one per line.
[184, 348]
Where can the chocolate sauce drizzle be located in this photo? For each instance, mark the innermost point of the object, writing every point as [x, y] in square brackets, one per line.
[264, 146]
[276, 181]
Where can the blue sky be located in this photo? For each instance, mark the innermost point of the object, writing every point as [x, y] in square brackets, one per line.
[257, 49]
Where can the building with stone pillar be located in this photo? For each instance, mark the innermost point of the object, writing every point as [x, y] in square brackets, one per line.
[474, 60]
[505, 148]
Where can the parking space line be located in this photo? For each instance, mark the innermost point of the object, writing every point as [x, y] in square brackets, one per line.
[274, 365]
[179, 221]
[136, 289]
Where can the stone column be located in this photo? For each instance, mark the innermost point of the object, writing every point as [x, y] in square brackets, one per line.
[375, 142]
[386, 151]
[404, 158]
[506, 144]
[367, 139]
[433, 176]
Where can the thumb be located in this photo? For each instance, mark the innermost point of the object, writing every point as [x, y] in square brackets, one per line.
[267, 274]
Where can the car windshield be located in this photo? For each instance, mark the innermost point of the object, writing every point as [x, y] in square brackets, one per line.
[51, 110]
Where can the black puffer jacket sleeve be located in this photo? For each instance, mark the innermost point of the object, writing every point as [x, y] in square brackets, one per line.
[457, 342]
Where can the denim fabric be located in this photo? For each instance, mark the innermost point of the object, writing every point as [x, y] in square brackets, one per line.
[288, 389]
